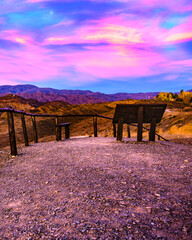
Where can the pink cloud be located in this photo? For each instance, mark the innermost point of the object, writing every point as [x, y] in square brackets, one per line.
[116, 34]
[107, 62]
[180, 32]
[16, 36]
[174, 5]
[179, 5]
[182, 63]
[179, 37]
[36, 1]
[34, 63]
[127, 56]
[31, 64]
[113, 30]
[8, 82]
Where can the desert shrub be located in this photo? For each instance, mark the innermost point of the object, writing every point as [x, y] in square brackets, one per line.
[175, 96]
[165, 96]
[186, 97]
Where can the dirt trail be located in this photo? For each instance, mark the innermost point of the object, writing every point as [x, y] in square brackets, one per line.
[97, 188]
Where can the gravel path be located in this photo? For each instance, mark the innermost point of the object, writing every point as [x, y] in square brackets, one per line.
[97, 188]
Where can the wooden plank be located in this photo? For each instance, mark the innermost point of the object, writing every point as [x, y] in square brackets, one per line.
[114, 130]
[140, 124]
[12, 138]
[152, 130]
[95, 126]
[35, 137]
[120, 130]
[128, 131]
[129, 112]
[24, 130]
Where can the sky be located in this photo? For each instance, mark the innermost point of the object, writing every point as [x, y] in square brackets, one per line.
[99, 45]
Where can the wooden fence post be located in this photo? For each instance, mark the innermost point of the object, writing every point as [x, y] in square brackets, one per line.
[12, 138]
[35, 137]
[95, 125]
[114, 130]
[128, 131]
[67, 135]
[120, 130]
[152, 130]
[140, 124]
[58, 129]
[24, 130]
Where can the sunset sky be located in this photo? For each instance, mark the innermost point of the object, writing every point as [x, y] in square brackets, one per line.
[100, 45]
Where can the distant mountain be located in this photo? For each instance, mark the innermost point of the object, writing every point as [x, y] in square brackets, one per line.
[69, 96]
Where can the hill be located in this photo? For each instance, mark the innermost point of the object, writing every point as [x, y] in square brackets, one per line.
[70, 96]
[17, 102]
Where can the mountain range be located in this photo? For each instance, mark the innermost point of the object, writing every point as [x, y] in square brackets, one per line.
[69, 96]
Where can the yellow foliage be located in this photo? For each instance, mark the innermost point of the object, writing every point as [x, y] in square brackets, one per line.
[185, 96]
[165, 96]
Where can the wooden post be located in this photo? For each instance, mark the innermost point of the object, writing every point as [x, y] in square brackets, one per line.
[95, 126]
[24, 130]
[35, 137]
[120, 130]
[114, 130]
[140, 124]
[152, 130]
[58, 129]
[12, 138]
[67, 132]
[128, 131]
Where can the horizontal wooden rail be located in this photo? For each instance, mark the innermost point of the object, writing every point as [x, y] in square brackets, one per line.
[104, 117]
[12, 137]
[52, 115]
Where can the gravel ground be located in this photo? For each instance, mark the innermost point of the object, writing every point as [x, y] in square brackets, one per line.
[97, 188]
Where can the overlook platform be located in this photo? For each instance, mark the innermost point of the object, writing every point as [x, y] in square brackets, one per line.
[97, 188]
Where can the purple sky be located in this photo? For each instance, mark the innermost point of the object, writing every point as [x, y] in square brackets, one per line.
[100, 45]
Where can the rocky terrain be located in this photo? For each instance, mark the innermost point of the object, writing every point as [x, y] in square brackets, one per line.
[97, 188]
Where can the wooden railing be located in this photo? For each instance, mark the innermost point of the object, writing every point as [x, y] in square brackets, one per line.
[12, 138]
[10, 119]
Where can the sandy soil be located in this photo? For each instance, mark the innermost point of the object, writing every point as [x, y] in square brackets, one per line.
[97, 188]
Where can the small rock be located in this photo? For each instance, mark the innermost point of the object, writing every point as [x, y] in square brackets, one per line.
[184, 229]
[123, 182]
[157, 195]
